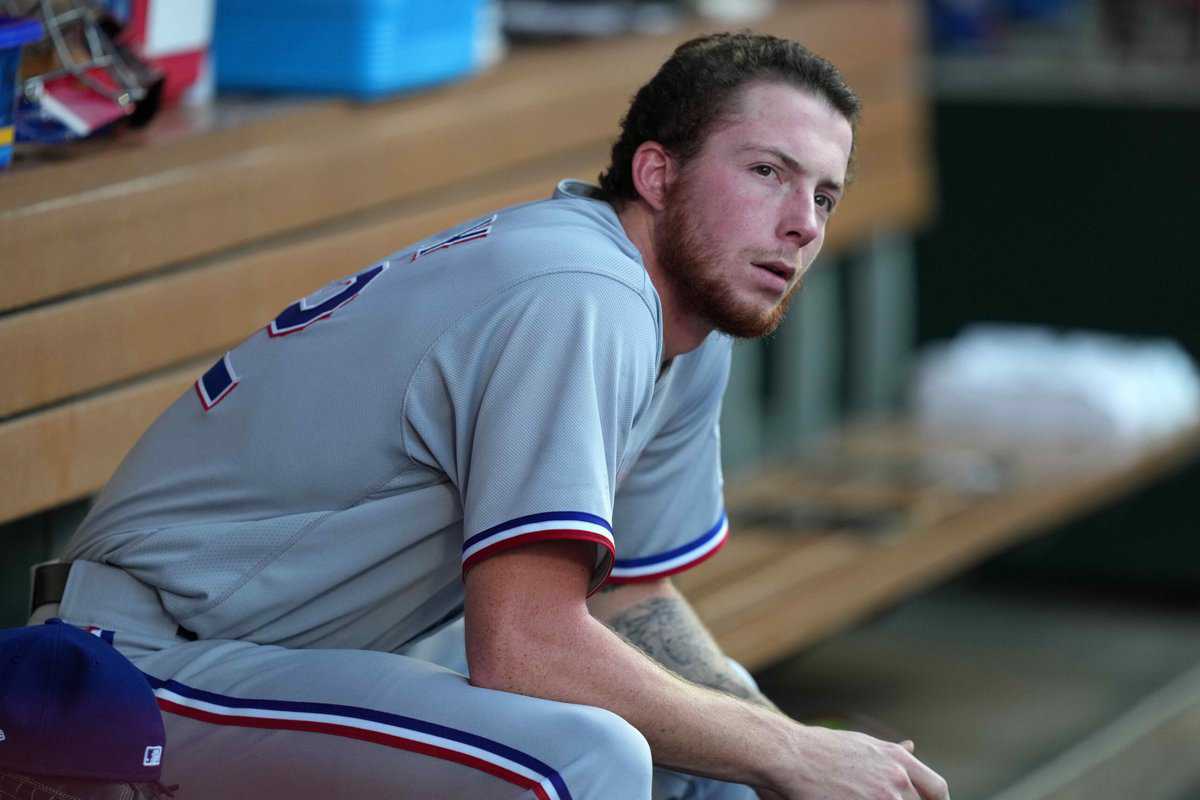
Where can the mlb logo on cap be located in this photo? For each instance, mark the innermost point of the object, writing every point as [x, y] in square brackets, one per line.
[71, 706]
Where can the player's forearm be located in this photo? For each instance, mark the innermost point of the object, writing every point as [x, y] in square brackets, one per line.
[689, 727]
[543, 641]
[661, 623]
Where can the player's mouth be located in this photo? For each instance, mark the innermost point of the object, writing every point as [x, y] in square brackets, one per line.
[781, 272]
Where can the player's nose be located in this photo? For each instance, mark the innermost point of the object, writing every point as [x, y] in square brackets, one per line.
[801, 222]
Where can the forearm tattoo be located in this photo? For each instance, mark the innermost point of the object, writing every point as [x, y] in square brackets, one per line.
[667, 630]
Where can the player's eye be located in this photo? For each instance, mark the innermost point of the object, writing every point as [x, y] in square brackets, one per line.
[764, 170]
[826, 202]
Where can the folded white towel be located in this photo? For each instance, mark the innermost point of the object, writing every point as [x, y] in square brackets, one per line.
[1024, 383]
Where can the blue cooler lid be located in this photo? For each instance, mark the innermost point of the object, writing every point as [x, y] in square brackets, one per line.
[16, 31]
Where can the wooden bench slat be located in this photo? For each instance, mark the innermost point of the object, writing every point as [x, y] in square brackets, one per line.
[744, 552]
[201, 209]
[70, 452]
[800, 559]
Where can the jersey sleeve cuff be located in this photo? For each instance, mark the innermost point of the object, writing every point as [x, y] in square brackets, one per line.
[552, 526]
[684, 557]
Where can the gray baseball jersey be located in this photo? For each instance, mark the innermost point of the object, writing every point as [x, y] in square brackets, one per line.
[330, 478]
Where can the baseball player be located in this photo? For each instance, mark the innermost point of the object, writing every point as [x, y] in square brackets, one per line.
[414, 537]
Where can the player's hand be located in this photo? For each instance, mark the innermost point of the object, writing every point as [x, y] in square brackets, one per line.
[846, 765]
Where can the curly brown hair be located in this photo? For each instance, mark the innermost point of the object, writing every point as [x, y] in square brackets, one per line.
[696, 88]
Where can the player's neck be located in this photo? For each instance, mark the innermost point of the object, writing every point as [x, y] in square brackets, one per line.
[682, 330]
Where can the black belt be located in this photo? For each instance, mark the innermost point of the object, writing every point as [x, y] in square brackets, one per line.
[50, 583]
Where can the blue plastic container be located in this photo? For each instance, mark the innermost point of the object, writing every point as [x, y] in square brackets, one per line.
[362, 48]
[14, 33]
[1037, 10]
[962, 24]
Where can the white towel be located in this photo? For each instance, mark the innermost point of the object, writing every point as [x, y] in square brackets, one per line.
[1032, 384]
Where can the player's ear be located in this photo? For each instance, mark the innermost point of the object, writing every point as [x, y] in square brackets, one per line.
[653, 171]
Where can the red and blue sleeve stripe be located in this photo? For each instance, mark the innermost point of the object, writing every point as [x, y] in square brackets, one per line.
[686, 556]
[549, 526]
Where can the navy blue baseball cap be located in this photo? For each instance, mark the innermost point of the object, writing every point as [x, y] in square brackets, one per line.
[71, 706]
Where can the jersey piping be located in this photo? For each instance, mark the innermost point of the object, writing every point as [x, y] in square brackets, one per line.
[675, 560]
[365, 724]
[577, 525]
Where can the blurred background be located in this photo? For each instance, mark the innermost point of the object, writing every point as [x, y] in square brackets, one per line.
[961, 475]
